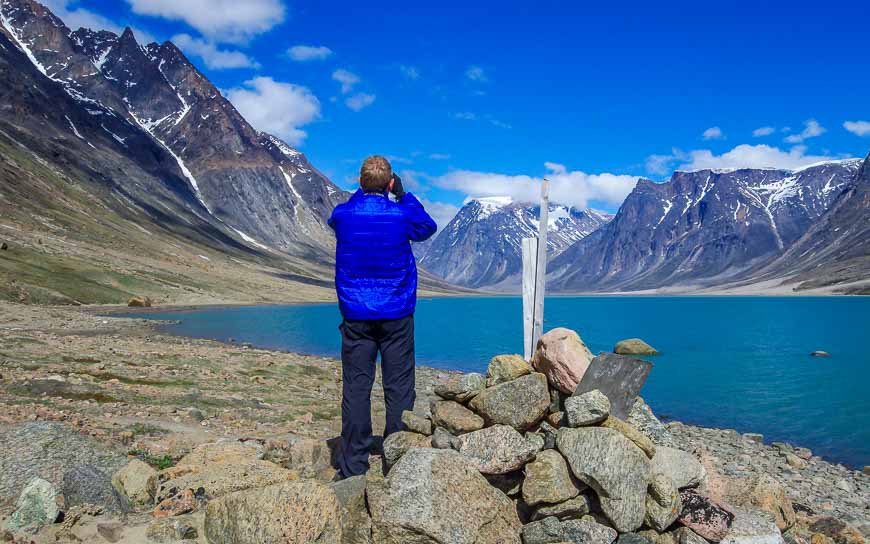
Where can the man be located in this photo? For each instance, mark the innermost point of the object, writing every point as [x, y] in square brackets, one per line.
[376, 282]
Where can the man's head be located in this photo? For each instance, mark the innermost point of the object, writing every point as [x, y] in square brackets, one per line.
[376, 174]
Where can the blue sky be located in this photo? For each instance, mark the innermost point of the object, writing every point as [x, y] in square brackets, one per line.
[474, 98]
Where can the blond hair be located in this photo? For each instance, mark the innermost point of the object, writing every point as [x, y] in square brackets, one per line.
[375, 174]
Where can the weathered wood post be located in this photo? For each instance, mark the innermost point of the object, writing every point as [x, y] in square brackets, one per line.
[534, 277]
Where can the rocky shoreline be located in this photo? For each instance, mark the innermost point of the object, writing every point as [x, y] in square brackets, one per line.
[81, 389]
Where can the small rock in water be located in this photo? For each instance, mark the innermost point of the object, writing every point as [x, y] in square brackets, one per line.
[820, 353]
[587, 409]
[634, 346]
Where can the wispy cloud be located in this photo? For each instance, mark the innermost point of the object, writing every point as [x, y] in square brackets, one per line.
[859, 128]
[410, 72]
[741, 156]
[360, 101]
[499, 124]
[812, 128]
[347, 79]
[465, 116]
[476, 73]
[77, 17]
[307, 53]
[439, 156]
[275, 107]
[713, 133]
[763, 131]
[220, 20]
[214, 57]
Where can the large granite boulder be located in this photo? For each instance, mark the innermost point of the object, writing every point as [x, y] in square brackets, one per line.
[454, 417]
[504, 368]
[520, 403]
[132, 482]
[574, 508]
[753, 527]
[619, 377]
[639, 439]
[397, 444]
[356, 524]
[682, 468]
[299, 512]
[587, 409]
[87, 484]
[614, 467]
[461, 387]
[416, 423]
[580, 531]
[642, 418]
[634, 346]
[548, 480]
[704, 516]
[563, 358]
[38, 505]
[663, 503]
[438, 496]
[496, 450]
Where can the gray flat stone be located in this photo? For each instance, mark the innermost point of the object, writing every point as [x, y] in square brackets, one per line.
[619, 377]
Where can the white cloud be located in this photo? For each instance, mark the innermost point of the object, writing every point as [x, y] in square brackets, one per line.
[305, 53]
[465, 116]
[812, 128]
[476, 73]
[570, 188]
[347, 79]
[441, 212]
[713, 133]
[221, 20]
[410, 72]
[499, 124]
[747, 156]
[660, 164]
[359, 101]
[439, 156]
[275, 107]
[763, 131]
[859, 128]
[214, 57]
[76, 17]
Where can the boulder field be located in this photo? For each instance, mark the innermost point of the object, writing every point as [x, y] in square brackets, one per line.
[556, 450]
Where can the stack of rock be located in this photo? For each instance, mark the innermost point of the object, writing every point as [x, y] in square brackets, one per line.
[561, 449]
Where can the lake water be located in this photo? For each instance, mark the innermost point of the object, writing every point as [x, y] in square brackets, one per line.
[730, 362]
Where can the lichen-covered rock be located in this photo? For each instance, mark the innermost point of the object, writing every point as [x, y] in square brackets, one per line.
[587, 409]
[438, 496]
[397, 444]
[454, 417]
[563, 358]
[581, 531]
[632, 434]
[38, 505]
[87, 484]
[496, 450]
[765, 493]
[443, 440]
[504, 368]
[663, 503]
[753, 527]
[132, 482]
[175, 529]
[634, 346]
[614, 467]
[684, 535]
[416, 423]
[642, 418]
[704, 516]
[356, 524]
[520, 403]
[683, 468]
[461, 387]
[299, 512]
[574, 508]
[548, 480]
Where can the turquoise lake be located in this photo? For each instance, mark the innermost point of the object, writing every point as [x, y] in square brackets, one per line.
[729, 362]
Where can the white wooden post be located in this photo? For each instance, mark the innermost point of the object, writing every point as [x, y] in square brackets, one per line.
[534, 277]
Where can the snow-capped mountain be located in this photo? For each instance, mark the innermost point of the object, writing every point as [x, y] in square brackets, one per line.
[482, 245]
[150, 103]
[702, 228]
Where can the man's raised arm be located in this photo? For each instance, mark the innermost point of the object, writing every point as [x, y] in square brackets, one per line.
[420, 226]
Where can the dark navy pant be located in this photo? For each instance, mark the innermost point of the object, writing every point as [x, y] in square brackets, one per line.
[360, 343]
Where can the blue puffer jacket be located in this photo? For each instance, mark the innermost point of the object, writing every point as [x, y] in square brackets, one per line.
[375, 272]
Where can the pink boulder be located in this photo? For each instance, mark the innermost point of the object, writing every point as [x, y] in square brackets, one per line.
[563, 357]
[705, 516]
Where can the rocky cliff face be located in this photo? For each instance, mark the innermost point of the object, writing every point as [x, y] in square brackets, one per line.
[701, 228]
[252, 184]
[481, 246]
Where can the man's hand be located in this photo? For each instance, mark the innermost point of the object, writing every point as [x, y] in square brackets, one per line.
[397, 189]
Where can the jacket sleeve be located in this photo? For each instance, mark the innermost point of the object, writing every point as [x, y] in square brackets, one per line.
[420, 226]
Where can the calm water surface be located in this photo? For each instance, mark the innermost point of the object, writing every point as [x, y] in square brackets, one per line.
[732, 362]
